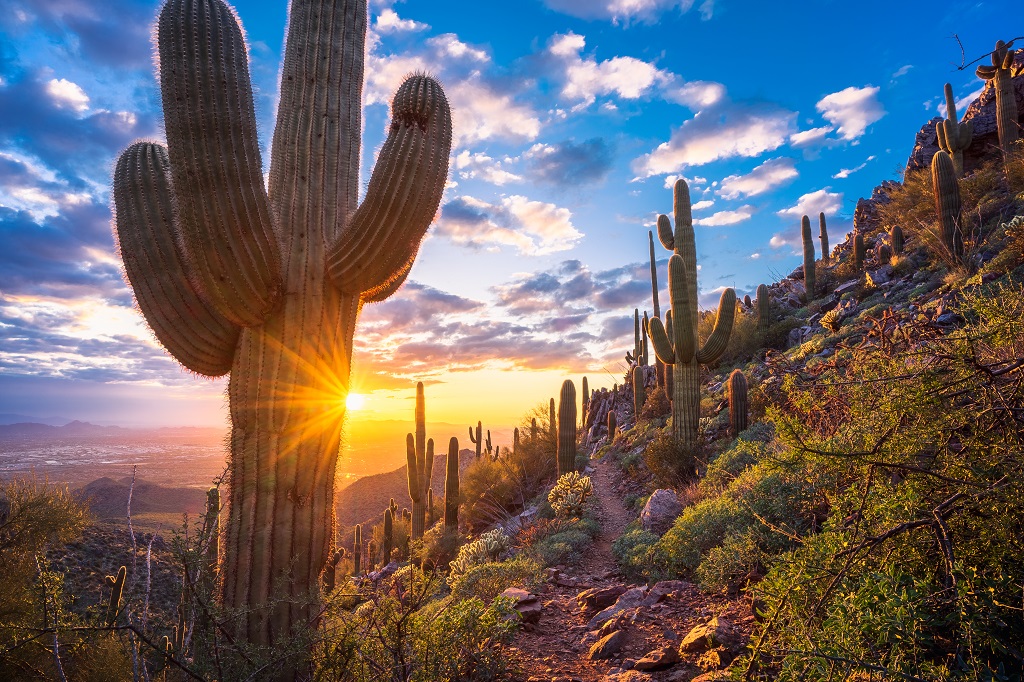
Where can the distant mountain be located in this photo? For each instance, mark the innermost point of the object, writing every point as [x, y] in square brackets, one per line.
[108, 498]
[75, 429]
[6, 419]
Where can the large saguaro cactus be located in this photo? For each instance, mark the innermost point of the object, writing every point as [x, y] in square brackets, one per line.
[805, 233]
[419, 454]
[946, 191]
[954, 136]
[1006, 101]
[267, 285]
[566, 444]
[682, 351]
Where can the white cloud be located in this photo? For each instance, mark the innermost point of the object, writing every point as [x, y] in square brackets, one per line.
[807, 138]
[754, 256]
[812, 203]
[449, 45]
[851, 110]
[480, 166]
[719, 133]
[388, 21]
[902, 71]
[769, 175]
[534, 228]
[66, 94]
[726, 217]
[847, 172]
[701, 205]
[619, 11]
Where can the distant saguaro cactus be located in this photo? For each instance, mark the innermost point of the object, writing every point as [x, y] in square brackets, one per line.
[357, 550]
[954, 137]
[737, 402]
[639, 394]
[552, 422]
[567, 428]
[858, 251]
[451, 486]
[823, 237]
[637, 343]
[477, 439]
[659, 365]
[897, 239]
[805, 233]
[267, 285]
[585, 398]
[764, 310]
[947, 206]
[643, 342]
[533, 430]
[613, 425]
[681, 350]
[1006, 101]
[419, 465]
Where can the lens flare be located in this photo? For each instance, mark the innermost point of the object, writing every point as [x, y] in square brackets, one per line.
[355, 401]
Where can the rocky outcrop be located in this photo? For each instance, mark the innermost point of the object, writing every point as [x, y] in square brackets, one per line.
[982, 113]
[865, 216]
[660, 512]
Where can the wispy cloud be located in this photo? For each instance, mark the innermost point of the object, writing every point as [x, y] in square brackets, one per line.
[769, 175]
[533, 228]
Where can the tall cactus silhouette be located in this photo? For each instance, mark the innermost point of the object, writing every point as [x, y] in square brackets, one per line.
[659, 365]
[478, 439]
[388, 536]
[585, 398]
[946, 190]
[566, 453]
[737, 385]
[954, 137]
[357, 549]
[823, 238]
[859, 251]
[267, 285]
[764, 311]
[419, 457]
[681, 350]
[1006, 100]
[805, 233]
[451, 486]
[639, 394]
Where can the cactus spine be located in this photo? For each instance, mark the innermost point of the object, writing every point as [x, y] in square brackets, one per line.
[947, 205]
[639, 395]
[566, 453]
[419, 465]
[681, 350]
[357, 550]
[805, 232]
[389, 535]
[954, 137]
[896, 237]
[451, 486]
[737, 402]
[477, 439]
[764, 310]
[1006, 100]
[116, 585]
[858, 251]
[267, 285]
[823, 238]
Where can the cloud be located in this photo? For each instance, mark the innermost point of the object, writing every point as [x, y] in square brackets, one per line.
[726, 217]
[534, 228]
[769, 175]
[414, 307]
[619, 11]
[702, 204]
[902, 71]
[809, 138]
[388, 21]
[721, 132]
[64, 93]
[567, 163]
[847, 172]
[851, 110]
[479, 166]
[812, 203]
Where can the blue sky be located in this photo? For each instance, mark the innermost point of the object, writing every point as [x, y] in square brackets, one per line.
[572, 118]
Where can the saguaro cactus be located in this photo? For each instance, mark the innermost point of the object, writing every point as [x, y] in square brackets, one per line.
[823, 238]
[897, 239]
[419, 465]
[659, 365]
[478, 439]
[764, 310]
[643, 342]
[116, 585]
[585, 397]
[858, 251]
[566, 452]
[357, 550]
[552, 423]
[805, 233]
[515, 440]
[954, 137]
[430, 508]
[388, 535]
[947, 206]
[639, 394]
[637, 344]
[1006, 100]
[451, 486]
[613, 425]
[737, 402]
[681, 351]
[268, 285]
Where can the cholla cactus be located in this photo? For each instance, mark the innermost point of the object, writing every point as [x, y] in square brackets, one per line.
[266, 281]
[569, 494]
[488, 547]
[954, 137]
[831, 320]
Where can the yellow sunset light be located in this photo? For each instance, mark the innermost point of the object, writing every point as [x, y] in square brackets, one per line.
[355, 401]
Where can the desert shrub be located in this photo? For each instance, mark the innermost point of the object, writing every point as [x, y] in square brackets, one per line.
[635, 553]
[562, 541]
[729, 564]
[729, 464]
[488, 547]
[438, 546]
[486, 581]
[669, 462]
[570, 494]
[657, 405]
[744, 341]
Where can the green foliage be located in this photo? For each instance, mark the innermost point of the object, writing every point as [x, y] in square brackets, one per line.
[488, 547]
[570, 494]
[669, 461]
[635, 553]
[488, 580]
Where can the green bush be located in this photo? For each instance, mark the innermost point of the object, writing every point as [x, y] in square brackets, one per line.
[566, 542]
[635, 553]
[486, 581]
[669, 462]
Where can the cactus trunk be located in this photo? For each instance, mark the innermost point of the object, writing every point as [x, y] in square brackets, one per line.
[823, 237]
[1006, 101]
[566, 453]
[737, 402]
[451, 487]
[805, 233]
[947, 206]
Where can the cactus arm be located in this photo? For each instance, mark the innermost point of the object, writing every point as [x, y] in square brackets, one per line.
[404, 191]
[226, 224]
[951, 114]
[412, 470]
[665, 235]
[385, 290]
[685, 339]
[192, 331]
[941, 135]
[654, 276]
[719, 339]
[985, 72]
[660, 339]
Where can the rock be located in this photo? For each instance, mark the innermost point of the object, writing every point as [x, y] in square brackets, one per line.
[846, 287]
[630, 599]
[715, 659]
[597, 598]
[814, 319]
[660, 511]
[658, 659]
[607, 646]
[618, 622]
[797, 274]
[949, 318]
[527, 605]
[628, 676]
[664, 588]
[865, 216]
[718, 632]
[881, 275]
[711, 676]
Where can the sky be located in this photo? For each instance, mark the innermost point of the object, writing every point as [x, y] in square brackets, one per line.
[572, 120]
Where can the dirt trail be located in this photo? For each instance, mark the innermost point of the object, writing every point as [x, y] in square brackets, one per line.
[614, 519]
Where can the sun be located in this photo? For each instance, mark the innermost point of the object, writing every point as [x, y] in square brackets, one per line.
[355, 401]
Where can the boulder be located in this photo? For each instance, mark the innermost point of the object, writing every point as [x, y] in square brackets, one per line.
[607, 646]
[718, 632]
[527, 605]
[630, 599]
[658, 659]
[660, 511]
[597, 598]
